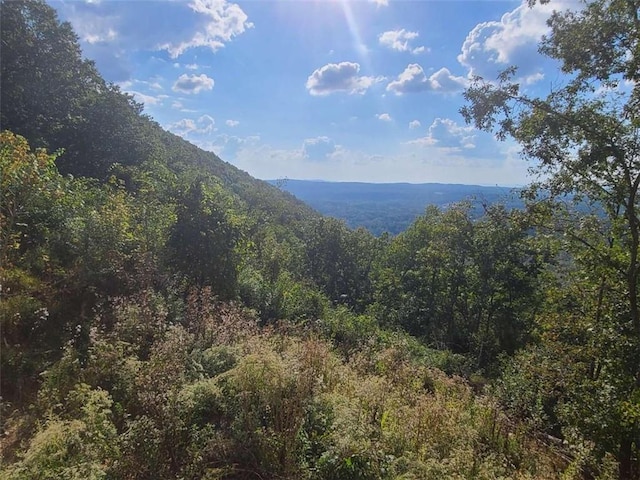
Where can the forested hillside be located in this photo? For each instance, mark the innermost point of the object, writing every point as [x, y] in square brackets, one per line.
[165, 315]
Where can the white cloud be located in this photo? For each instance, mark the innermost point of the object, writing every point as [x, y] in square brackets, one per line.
[385, 117]
[203, 125]
[100, 37]
[414, 124]
[513, 40]
[445, 82]
[400, 40]
[94, 29]
[227, 146]
[206, 124]
[447, 135]
[232, 123]
[414, 80]
[380, 3]
[224, 21]
[193, 83]
[178, 105]
[112, 32]
[146, 99]
[341, 77]
[183, 126]
[152, 84]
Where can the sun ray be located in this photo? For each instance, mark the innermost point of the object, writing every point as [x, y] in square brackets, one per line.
[354, 29]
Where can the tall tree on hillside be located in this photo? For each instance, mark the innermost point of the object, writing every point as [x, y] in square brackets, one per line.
[203, 240]
[53, 97]
[584, 139]
[44, 79]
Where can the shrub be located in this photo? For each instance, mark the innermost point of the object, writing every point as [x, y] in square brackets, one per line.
[78, 448]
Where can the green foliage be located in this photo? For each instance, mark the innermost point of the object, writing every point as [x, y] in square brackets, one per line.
[341, 260]
[204, 239]
[124, 356]
[44, 79]
[75, 448]
[583, 138]
[466, 286]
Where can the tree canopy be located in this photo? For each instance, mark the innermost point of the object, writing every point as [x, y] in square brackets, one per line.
[583, 139]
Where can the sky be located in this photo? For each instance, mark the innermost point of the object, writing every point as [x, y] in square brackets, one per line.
[343, 90]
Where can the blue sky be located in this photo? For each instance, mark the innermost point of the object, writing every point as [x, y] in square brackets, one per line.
[342, 90]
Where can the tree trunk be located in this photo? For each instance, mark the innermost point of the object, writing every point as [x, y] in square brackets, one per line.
[625, 459]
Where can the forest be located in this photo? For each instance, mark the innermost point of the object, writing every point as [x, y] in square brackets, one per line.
[164, 315]
[392, 207]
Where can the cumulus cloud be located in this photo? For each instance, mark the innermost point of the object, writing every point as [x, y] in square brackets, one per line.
[513, 40]
[414, 80]
[385, 117]
[193, 84]
[146, 99]
[380, 3]
[183, 126]
[318, 149]
[446, 134]
[414, 124]
[445, 82]
[340, 77]
[400, 40]
[232, 123]
[203, 125]
[100, 37]
[224, 21]
[111, 32]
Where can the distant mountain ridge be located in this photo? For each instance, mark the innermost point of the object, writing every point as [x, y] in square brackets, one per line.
[391, 207]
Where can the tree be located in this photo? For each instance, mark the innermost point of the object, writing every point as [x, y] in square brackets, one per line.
[44, 78]
[340, 260]
[468, 286]
[204, 238]
[584, 140]
[57, 99]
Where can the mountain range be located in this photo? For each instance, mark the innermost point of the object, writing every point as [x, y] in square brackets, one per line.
[391, 207]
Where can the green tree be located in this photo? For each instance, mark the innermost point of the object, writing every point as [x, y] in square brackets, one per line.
[204, 238]
[340, 260]
[584, 140]
[464, 285]
[30, 192]
[57, 99]
[44, 78]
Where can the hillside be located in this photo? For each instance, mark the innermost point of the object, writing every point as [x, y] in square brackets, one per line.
[392, 207]
[163, 315]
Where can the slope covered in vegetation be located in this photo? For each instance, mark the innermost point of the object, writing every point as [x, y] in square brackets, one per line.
[164, 315]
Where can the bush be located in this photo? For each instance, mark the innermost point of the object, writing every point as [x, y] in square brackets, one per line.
[77, 448]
